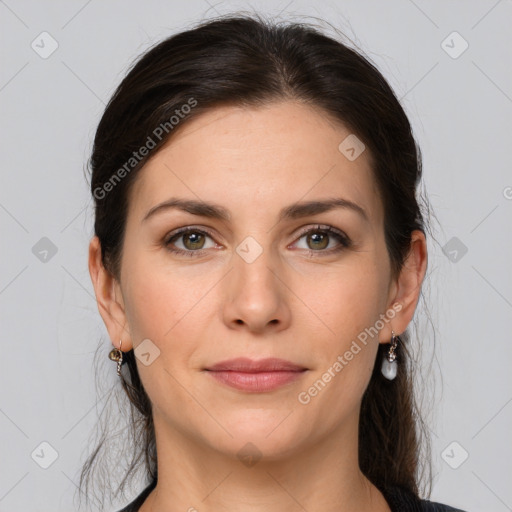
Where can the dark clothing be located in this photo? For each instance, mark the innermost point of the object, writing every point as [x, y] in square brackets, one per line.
[399, 500]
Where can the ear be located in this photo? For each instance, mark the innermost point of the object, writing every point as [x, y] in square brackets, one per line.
[109, 298]
[405, 291]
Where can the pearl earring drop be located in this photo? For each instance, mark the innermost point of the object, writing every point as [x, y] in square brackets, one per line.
[389, 366]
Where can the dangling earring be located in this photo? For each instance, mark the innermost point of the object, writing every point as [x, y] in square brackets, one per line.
[117, 355]
[389, 366]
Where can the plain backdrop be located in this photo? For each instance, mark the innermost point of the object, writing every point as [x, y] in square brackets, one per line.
[449, 64]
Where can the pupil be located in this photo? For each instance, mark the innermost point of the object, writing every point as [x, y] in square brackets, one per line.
[193, 240]
[318, 237]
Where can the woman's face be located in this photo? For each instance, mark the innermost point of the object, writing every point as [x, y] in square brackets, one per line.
[265, 280]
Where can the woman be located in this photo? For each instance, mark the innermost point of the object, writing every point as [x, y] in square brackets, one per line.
[258, 256]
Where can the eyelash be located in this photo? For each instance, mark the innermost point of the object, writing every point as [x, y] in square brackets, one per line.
[344, 241]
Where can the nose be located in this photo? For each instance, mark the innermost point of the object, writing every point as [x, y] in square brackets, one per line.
[256, 295]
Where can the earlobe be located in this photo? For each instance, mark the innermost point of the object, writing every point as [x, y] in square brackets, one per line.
[109, 302]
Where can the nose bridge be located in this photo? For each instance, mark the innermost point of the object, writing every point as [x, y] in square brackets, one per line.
[255, 268]
[257, 297]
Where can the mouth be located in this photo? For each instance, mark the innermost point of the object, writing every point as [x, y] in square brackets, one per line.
[256, 376]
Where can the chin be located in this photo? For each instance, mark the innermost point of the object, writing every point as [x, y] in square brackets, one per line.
[259, 434]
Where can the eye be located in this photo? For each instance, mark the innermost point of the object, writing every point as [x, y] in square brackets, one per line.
[189, 241]
[322, 239]
[319, 240]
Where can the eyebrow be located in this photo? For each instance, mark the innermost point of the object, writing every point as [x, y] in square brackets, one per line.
[294, 211]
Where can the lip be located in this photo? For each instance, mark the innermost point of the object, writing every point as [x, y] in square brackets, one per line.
[246, 365]
[256, 376]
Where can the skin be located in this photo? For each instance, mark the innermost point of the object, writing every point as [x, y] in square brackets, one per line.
[288, 303]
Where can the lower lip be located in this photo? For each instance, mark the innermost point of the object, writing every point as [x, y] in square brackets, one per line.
[256, 382]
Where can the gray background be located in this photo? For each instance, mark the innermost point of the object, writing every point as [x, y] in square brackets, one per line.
[460, 105]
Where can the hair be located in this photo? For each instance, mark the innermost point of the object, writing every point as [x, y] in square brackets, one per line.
[247, 61]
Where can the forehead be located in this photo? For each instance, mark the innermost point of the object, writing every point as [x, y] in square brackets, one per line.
[278, 153]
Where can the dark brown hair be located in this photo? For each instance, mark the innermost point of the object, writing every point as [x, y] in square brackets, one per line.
[249, 61]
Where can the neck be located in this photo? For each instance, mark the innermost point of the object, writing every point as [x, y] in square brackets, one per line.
[325, 477]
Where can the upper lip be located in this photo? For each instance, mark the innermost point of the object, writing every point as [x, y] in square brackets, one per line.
[244, 364]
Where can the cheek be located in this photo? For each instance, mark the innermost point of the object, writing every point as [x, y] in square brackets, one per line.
[159, 297]
[346, 301]
[160, 308]
[151, 307]
[171, 310]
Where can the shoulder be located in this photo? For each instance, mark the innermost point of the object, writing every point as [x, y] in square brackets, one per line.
[430, 506]
[398, 498]
[135, 505]
[403, 500]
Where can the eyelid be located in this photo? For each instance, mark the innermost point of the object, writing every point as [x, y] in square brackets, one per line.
[166, 241]
[302, 232]
[187, 229]
[343, 239]
[327, 228]
[320, 227]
